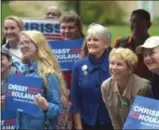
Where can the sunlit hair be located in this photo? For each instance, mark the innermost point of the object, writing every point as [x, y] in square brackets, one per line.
[127, 55]
[71, 16]
[99, 31]
[47, 62]
[18, 21]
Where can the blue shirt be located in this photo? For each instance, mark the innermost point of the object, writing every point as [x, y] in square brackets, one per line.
[25, 121]
[87, 77]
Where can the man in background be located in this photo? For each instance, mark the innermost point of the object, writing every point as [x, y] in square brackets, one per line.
[70, 28]
[140, 22]
[53, 12]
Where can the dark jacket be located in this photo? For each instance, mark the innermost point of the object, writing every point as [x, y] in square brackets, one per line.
[155, 86]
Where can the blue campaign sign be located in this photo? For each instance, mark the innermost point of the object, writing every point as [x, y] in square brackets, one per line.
[8, 120]
[144, 114]
[50, 28]
[21, 92]
[67, 52]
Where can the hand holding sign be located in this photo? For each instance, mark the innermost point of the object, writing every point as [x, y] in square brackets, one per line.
[20, 94]
[41, 102]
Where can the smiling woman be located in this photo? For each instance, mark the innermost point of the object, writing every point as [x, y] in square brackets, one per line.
[13, 25]
[28, 48]
[88, 107]
[40, 62]
[119, 91]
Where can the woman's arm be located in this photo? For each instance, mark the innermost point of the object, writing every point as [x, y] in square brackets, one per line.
[75, 98]
[52, 106]
[53, 93]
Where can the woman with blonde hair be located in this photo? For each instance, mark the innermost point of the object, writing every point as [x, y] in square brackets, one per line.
[119, 91]
[39, 61]
[13, 25]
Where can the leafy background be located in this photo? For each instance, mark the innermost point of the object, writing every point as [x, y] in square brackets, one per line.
[107, 13]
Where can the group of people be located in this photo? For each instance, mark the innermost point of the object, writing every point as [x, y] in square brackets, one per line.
[103, 83]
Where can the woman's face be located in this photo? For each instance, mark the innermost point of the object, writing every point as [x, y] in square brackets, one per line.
[118, 68]
[11, 31]
[151, 59]
[96, 46]
[28, 48]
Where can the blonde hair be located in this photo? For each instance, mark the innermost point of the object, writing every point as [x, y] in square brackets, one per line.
[47, 62]
[18, 21]
[127, 55]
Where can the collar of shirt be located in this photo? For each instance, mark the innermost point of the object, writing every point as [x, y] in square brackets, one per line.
[130, 41]
[102, 62]
[30, 66]
[127, 90]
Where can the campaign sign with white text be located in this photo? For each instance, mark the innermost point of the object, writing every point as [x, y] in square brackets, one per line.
[8, 120]
[67, 52]
[144, 114]
[50, 28]
[21, 92]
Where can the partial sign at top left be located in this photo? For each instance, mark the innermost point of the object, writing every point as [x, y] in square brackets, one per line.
[50, 28]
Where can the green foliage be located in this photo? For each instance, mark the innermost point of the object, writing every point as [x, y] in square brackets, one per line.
[6, 10]
[104, 12]
[156, 20]
[124, 30]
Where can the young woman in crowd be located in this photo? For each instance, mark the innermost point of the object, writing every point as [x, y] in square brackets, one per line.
[88, 73]
[40, 62]
[13, 25]
[150, 51]
[120, 90]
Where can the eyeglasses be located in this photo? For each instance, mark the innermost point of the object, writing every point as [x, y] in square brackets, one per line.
[25, 43]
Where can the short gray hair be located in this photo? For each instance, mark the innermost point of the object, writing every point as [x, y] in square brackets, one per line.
[100, 31]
